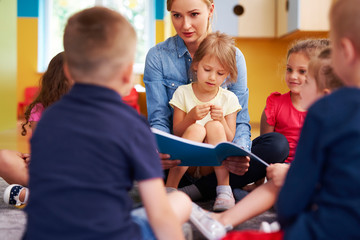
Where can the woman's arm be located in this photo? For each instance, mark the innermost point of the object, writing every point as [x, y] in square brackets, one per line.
[264, 126]
[158, 108]
[242, 134]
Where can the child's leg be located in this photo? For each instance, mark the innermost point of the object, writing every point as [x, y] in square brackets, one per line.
[215, 133]
[256, 202]
[13, 168]
[196, 133]
[181, 205]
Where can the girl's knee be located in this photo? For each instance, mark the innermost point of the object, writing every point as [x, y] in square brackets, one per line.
[214, 126]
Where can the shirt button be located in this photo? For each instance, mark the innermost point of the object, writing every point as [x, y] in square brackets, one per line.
[189, 60]
[190, 80]
[172, 84]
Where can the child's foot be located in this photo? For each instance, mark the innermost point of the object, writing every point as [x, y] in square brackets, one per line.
[16, 195]
[224, 199]
[208, 226]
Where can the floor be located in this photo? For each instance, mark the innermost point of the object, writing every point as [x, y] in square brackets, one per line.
[13, 220]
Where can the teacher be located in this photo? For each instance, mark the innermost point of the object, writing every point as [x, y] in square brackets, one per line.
[167, 67]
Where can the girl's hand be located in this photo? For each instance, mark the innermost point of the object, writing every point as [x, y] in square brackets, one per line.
[216, 113]
[200, 111]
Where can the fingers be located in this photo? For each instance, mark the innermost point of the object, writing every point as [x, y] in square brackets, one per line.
[237, 165]
[167, 164]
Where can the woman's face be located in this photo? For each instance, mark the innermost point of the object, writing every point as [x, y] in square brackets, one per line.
[190, 19]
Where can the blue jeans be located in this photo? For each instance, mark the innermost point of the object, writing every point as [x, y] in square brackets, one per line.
[140, 218]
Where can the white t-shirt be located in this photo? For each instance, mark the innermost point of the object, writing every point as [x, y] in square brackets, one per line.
[184, 98]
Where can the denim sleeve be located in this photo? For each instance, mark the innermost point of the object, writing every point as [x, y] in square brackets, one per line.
[159, 112]
[242, 134]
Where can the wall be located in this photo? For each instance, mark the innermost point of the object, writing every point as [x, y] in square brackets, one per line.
[266, 63]
[8, 64]
[27, 45]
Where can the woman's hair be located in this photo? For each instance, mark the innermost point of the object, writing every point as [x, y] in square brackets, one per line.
[320, 68]
[309, 47]
[222, 47]
[53, 85]
[170, 2]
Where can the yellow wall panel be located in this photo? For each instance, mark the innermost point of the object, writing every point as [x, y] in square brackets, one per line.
[266, 64]
[160, 31]
[27, 55]
[8, 64]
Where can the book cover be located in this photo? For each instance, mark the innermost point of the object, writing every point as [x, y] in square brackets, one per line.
[193, 153]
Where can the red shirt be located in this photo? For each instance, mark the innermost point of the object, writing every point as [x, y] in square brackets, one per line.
[286, 119]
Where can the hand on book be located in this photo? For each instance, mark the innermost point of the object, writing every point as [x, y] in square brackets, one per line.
[168, 163]
[237, 165]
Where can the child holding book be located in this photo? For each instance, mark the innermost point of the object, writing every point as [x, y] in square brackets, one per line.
[205, 112]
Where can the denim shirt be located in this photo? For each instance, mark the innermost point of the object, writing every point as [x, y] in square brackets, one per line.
[167, 67]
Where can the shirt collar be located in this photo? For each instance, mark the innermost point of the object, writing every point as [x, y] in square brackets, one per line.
[181, 47]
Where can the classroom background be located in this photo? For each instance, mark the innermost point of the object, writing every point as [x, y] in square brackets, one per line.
[263, 31]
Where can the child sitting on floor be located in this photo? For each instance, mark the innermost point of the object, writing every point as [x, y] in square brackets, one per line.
[13, 164]
[320, 81]
[90, 147]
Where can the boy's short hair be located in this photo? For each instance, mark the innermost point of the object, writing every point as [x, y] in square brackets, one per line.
[320, 67]
[345, 21]
[97, 42]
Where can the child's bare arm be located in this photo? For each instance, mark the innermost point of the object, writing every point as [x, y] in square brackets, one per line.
[181, 120]
[264, 126]
[162, 218]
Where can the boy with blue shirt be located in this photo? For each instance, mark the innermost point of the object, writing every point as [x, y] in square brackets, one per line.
[90, 146]
[326, 203]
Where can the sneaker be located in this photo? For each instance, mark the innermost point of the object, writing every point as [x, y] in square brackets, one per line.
[223, 202]
[209, 227]
[269, 228]
[12, 193]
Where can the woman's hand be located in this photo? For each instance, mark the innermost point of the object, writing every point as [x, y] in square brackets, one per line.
[237, 165]
[166, 162]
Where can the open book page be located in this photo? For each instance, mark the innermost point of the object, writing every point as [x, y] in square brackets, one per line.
[193, 153]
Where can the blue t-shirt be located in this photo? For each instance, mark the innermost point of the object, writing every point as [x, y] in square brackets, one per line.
[321, 198]
[87, 150]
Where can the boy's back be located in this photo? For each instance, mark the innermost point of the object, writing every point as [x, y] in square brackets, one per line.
[89, 147]
[85, 156]
[327, 200]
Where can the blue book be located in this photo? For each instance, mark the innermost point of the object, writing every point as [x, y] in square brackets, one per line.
[193, 153]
